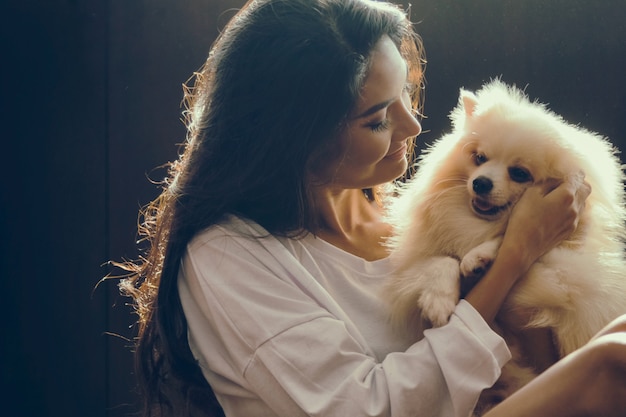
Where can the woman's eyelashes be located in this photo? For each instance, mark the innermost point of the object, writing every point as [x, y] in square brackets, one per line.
[379, 126]
[383, 125]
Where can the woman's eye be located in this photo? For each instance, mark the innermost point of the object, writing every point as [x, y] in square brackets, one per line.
[379, 126]
[519, 174]
[479, 158]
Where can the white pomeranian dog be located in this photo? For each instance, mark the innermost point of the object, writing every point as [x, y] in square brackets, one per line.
[450, 217]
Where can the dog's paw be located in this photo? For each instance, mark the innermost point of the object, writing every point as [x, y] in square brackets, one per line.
[477, 261]
[437, 301]
[437, 308]
[474, 267]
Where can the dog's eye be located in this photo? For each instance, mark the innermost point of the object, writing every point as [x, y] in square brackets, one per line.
[519, 174]
[479, 158]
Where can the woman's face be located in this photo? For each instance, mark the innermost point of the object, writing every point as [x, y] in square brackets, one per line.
[373, 146]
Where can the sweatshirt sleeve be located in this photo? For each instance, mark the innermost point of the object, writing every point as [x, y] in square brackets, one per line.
[258, 329]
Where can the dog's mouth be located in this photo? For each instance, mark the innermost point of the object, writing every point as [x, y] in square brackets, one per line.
[484, 208]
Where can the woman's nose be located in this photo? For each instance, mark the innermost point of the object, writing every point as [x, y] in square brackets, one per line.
[416, 126]
[412, 125]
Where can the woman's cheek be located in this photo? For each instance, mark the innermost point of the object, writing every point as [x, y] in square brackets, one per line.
[369, 150]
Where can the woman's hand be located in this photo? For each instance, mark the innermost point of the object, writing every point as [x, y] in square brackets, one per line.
[545, 216]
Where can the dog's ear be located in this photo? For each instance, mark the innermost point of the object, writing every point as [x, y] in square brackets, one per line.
[469, 102]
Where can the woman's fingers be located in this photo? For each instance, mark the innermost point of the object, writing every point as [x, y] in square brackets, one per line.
[549, 213]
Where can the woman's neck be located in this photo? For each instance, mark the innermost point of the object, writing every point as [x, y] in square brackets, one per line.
[350, 221]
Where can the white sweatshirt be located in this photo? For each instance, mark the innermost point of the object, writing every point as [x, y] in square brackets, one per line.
[288, 327]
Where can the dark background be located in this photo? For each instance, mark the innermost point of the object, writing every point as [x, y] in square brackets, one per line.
[91, 94]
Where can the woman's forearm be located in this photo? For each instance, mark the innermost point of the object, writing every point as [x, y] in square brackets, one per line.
[490, 292]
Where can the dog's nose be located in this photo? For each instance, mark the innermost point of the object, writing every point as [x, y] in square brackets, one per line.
[482, 185]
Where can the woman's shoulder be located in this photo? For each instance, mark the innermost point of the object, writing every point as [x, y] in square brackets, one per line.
[244, 239]
[235, 234]
[231, 227]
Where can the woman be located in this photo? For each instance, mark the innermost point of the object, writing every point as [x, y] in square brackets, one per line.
[267, 243]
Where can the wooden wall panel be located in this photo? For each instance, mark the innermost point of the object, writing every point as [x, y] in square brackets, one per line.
[53, 208]
[570, 54]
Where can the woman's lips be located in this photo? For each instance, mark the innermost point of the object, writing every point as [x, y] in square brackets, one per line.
[399, 153]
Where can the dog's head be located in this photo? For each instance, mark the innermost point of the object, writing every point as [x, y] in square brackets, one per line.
[506, 145]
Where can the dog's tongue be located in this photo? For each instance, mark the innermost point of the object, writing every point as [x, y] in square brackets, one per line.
[482, 204]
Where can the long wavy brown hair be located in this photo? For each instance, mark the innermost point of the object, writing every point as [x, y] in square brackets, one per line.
[264, 109]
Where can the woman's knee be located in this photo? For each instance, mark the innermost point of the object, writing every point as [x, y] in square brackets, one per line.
[609, 350]
[604, 358]
[616, 326]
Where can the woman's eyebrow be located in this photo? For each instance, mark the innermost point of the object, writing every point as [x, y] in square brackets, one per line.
[383, 104]
[375, 108]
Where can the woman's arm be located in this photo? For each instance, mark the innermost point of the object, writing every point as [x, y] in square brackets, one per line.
[591, 381]
[540, 220]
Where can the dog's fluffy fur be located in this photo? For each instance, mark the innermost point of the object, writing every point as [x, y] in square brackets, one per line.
[449, 219]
